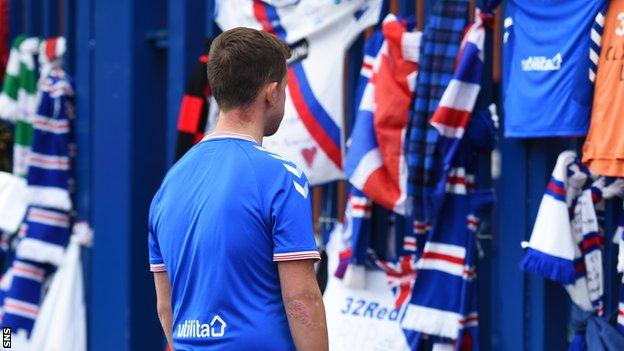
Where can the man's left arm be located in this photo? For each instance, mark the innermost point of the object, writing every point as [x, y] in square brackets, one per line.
[163, 303]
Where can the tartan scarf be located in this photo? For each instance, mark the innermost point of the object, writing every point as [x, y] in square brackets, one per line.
[439, 49]
[18, 98]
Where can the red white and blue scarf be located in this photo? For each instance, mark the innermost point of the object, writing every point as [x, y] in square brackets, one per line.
[444, 302]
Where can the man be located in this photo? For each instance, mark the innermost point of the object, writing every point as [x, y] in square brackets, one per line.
[230, 230]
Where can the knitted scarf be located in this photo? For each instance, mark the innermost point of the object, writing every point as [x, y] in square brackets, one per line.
[447, 264]
[438, 53]
[193, 109]
[46, 229]
[567, 241]
[18, 99]
[47, 222]
[444, 301]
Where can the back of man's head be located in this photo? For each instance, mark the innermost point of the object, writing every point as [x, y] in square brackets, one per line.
[242, 61]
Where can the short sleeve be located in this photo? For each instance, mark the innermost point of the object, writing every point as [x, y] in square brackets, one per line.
[155, 258]
[291, 215]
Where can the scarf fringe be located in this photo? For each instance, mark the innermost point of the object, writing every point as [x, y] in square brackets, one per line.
[548, 266]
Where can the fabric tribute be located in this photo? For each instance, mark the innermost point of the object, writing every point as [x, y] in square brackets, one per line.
[45, 232]
[439, 50]
[443, 303]
[603, 151]
[550, 53]
[193, 116]
[18, 101]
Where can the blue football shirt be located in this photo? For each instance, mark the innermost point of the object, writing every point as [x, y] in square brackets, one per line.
[224, 214]
[549, 59]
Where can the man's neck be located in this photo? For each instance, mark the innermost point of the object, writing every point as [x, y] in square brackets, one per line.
[241, 122]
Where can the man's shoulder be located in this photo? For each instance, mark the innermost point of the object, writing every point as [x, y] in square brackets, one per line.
[273, 163]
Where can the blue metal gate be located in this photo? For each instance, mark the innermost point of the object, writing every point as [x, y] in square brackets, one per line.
[130, 60]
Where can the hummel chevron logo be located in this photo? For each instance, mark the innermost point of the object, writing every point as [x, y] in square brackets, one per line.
[293, 170]
[303, 190]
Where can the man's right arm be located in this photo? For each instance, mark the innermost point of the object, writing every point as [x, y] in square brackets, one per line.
[304, 304]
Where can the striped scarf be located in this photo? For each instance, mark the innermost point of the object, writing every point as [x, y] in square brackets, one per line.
[47, 226]
[193, 115]
[447, 263]
[18, 98]
[566, 243]
[48, 221]
[356, 237]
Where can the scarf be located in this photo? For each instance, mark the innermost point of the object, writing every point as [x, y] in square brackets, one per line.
[194, 108]
[356, 235]
[18, 98]
[438, 53]
[47, 226]
[566, 242]
[444, 298]
[444, 301]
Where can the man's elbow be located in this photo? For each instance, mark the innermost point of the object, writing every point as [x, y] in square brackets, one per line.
[163, 309]
[303, 307]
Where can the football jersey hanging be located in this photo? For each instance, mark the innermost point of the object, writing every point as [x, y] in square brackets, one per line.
[549, 59]
[603, 151]
[318, 33]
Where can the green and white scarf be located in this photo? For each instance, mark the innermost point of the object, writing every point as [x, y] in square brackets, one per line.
[18, 100]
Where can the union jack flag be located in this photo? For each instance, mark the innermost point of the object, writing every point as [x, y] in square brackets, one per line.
[375, 161]
[401, 275]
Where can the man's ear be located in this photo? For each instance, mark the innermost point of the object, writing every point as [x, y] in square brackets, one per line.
[271, 93]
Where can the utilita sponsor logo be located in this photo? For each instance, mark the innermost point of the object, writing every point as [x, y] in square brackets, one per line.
[195, 329]
[542, 63]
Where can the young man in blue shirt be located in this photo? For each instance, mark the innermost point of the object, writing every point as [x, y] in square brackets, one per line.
[230, 229]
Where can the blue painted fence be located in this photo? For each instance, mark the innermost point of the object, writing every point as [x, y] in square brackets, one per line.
[130, 60]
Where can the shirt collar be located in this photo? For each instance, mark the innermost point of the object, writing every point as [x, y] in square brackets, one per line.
[229, 135]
